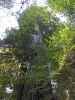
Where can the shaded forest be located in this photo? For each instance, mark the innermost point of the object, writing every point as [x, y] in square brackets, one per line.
[37, 60]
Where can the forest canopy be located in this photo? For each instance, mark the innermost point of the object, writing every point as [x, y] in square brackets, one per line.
[41, 51]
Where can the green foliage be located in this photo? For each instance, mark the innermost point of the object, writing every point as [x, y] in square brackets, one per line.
[53, 43]
[67, 7]
[26, 50]
[61, 5]
[34, 21]
[31, 16]
[60, 44]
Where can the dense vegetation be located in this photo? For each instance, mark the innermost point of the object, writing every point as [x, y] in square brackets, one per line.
[40, 53]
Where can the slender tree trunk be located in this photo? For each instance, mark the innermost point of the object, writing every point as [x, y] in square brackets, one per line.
[19, 91]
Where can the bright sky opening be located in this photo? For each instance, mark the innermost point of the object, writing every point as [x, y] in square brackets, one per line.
[8, 21]
[62, 17]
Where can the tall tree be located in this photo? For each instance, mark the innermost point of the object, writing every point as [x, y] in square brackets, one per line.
[29, 47]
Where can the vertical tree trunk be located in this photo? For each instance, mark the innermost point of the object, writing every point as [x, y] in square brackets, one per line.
[19, 91]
